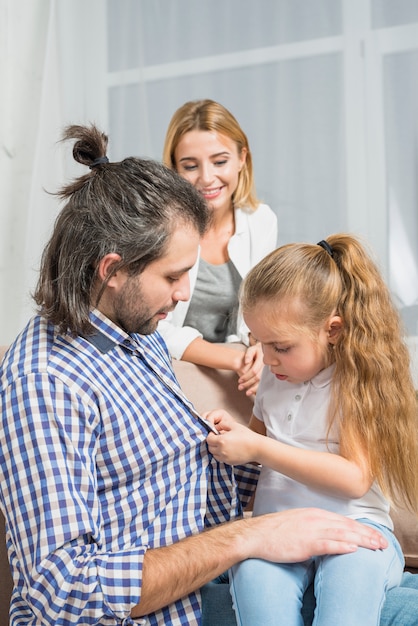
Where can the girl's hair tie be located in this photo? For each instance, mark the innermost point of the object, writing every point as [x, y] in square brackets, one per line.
[325, 245]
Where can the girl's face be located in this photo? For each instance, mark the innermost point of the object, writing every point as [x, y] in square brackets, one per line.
[292, 354]
[211, 163]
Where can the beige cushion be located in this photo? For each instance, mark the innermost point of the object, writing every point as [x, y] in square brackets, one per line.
[406, 531]
[211, 389]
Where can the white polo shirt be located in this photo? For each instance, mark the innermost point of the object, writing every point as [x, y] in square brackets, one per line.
[296, 414]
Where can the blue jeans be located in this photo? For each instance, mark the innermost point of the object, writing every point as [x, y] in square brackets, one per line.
[400, 607]
[349, 588]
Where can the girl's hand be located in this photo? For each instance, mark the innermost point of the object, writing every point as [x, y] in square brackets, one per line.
[250, 372]
[221, 419]
[236, 444]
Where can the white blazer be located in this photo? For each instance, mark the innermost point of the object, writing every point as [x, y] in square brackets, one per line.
[255, 236]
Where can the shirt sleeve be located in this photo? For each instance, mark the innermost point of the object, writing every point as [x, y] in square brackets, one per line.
[177, 338]
[246, 477]
[56, 531]
[263, 235]
[260, 395]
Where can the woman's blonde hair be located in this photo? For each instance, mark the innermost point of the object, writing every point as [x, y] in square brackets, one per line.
[208, 115]
[372, 389]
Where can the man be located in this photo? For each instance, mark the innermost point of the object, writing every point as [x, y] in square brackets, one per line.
[115, 511]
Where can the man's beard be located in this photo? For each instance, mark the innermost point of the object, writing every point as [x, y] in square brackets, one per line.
[130, 311]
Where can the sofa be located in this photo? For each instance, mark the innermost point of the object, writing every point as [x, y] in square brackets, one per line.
[211, 389]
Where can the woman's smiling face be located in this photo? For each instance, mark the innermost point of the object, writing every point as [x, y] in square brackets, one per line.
[211, 163]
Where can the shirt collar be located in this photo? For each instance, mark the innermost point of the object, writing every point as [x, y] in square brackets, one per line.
[324, 377]
[240, 221]
[108, 333]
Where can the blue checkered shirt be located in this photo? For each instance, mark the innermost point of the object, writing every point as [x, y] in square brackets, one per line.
[101, 459]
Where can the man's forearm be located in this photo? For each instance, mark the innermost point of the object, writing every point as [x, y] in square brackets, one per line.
[172, 572]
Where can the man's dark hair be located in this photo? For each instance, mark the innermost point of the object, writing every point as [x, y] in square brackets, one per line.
[130, 208]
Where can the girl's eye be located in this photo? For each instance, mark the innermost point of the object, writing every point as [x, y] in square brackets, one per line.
[189, 168]
[220, 163]
[281, 350]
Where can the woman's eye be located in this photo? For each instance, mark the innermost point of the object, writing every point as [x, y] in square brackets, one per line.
[189, 168]
[220, 163]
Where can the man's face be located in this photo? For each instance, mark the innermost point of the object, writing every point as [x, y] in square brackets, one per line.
[138, 303]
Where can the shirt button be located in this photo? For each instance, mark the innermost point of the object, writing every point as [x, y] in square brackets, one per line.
[289, 417]
[298, 397]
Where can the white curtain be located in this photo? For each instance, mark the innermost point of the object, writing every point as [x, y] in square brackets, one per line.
[43, 87]
[326, 91]
[24, 40]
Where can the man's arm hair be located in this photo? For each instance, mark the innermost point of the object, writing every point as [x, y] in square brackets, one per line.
[290, 536]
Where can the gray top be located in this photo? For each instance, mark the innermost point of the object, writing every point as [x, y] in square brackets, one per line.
[214, 305]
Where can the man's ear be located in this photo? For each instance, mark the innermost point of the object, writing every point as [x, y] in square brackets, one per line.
[106, 267]
[335, 327]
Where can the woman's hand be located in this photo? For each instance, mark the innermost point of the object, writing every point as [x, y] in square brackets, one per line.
[250, 372]
[247, 364]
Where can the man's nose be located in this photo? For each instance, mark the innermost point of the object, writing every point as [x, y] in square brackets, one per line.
[182, 291]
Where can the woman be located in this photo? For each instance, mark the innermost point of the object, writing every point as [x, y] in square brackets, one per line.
[206, 146]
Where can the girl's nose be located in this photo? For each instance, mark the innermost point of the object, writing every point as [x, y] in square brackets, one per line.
[270, 357]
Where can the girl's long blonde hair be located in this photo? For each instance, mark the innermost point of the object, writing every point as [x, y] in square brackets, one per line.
[372, 391]
[208, 115]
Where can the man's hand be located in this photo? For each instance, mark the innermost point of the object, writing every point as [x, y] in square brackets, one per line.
[298, 534]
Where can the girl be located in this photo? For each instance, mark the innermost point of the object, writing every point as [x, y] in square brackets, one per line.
[338, 408]
[206, 145]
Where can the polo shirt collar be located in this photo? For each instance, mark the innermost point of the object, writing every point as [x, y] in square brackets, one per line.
[324, 377]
